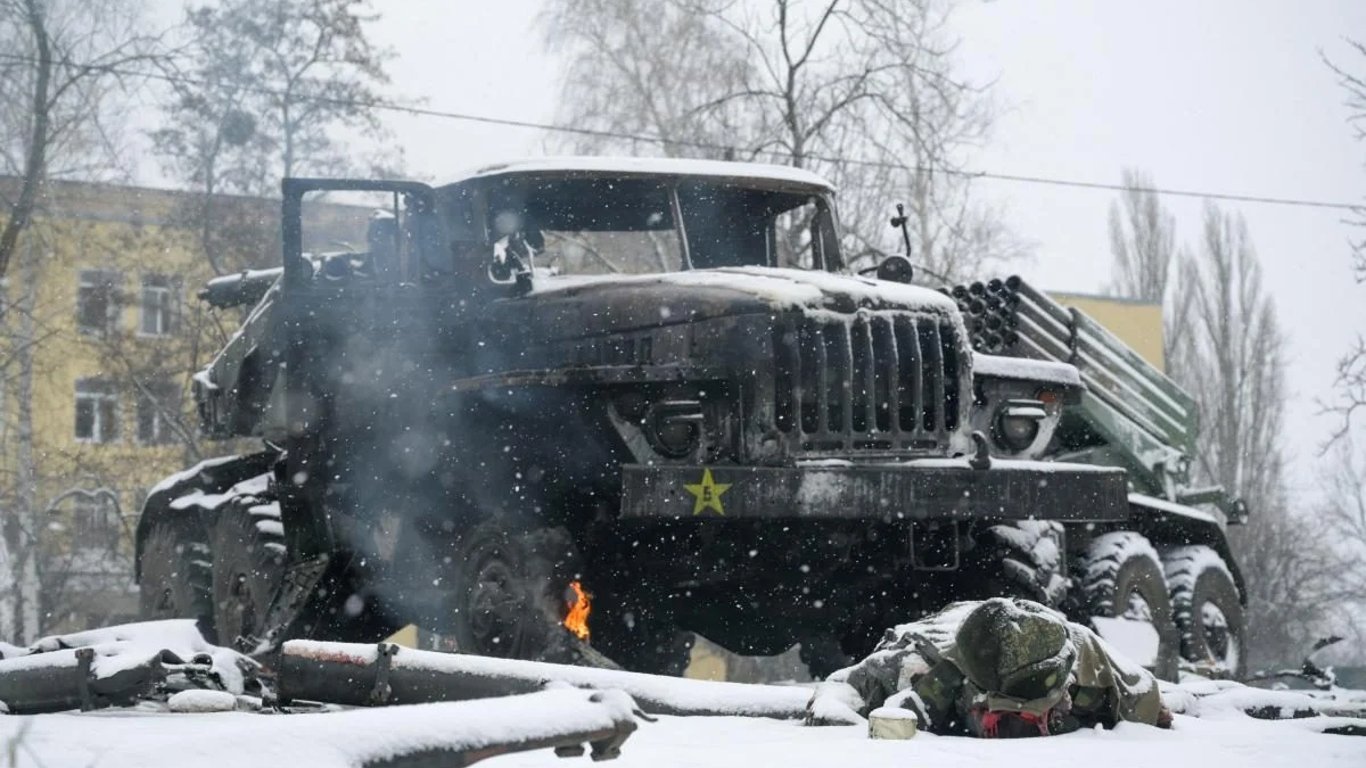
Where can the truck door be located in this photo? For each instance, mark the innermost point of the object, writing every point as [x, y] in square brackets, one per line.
[354, 253]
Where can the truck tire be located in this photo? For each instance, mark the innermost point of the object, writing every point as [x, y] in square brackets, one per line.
[508, 592]
[248, 565]
[1025, 559]
[1120, 576]
[176, 577]
[1207, 610]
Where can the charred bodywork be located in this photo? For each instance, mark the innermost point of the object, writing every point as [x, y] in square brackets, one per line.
[670, 364]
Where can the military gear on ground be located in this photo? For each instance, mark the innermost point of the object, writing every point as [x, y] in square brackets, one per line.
[1001, 668]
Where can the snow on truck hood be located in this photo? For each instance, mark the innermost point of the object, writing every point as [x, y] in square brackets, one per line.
[779, 289]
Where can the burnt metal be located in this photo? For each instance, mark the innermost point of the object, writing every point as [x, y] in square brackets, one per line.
[883, 381]
[239, 290]
[62, 680]
[301, 579]
[383, 691]
[84, 658]
[882, 492]
[981, 454]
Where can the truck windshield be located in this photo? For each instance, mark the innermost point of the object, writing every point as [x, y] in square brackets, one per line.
[595, 225]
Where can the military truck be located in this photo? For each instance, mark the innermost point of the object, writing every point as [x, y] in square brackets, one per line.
[619, 402]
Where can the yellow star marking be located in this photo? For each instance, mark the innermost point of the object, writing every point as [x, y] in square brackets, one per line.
[708, 494]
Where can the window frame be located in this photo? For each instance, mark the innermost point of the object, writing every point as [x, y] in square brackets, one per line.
[162, 434]
[95, 525]
[99, 393]
[167, 291]
[94, 280]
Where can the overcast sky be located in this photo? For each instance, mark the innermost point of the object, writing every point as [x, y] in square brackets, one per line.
[1214, 95]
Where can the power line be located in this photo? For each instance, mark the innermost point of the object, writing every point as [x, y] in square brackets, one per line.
[716, 147]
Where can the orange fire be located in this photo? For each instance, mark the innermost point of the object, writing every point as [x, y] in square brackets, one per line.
[576, 620]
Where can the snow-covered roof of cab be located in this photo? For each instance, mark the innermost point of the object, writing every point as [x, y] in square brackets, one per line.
[655, 166]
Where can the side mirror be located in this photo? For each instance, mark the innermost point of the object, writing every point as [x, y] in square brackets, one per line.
[896, 269]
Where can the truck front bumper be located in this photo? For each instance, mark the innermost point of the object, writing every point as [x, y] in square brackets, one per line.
[929, 489]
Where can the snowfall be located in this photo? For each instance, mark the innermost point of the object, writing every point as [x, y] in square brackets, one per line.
[1210, 724]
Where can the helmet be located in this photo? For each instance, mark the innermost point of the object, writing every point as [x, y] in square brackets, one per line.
[1016, 650]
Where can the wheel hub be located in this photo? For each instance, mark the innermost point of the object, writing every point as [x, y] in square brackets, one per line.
[497, 613]
[1137, 608]
[1218, 637]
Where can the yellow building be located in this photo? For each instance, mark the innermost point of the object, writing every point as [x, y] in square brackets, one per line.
[100, 334]
[1136, 323]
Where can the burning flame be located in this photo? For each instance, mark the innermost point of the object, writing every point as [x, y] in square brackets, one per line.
[576, 620]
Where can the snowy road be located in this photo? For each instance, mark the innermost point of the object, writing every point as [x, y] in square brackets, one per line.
[147, 740]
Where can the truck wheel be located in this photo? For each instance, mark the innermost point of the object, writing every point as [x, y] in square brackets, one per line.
[509, 592]
[248, 565]
[175, 581]
[1121, 577]
[1025, 560]
[1207, 609]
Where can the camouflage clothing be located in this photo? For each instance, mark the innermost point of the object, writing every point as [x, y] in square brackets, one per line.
[965, 668]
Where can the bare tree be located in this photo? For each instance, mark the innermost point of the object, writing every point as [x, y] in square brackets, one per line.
[22, 528]
[264, 89]
[1351, 368]
[1143, 251]
[1240, 383]
[1344, 484]
[1142, 240]
[1232, 360]
[863, 91]
[61, 63]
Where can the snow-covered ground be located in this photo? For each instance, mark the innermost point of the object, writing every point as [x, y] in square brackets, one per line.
[122, 738]
[1211, 723]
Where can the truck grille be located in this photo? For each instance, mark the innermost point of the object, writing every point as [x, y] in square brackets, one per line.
[871, 381]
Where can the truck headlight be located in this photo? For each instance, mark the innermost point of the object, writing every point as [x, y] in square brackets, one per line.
[674, 427]
[1017, 424]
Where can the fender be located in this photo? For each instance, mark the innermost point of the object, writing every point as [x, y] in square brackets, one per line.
[211, 476]
[1166, 523]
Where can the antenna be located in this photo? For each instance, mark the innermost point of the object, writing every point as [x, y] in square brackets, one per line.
[899, 221]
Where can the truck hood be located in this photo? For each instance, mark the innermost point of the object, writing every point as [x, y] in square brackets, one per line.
[579, 305]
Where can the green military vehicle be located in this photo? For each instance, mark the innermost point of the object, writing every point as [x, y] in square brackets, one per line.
[655, 385]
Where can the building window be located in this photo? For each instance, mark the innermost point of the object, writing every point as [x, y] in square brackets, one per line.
[97, 411]
[94, 524]
[97, 300]
[158, 305]
[157, 406]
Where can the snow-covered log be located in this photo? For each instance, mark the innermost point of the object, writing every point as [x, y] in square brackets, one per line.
[348, 673]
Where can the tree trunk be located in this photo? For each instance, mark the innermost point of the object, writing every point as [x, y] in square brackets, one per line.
[24, 524]
[35, 160]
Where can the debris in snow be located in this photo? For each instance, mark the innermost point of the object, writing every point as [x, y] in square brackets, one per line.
[892, 723]
[119, 665]
[202, 701]
[1224, 698]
